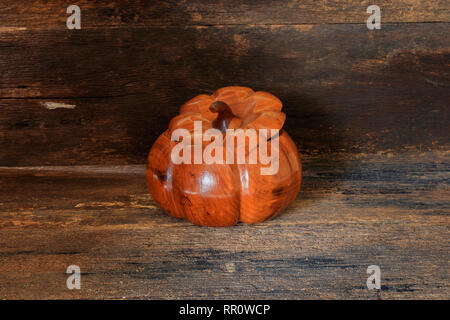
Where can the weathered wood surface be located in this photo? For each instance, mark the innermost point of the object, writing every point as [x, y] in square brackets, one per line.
[369, 109]
[44, 14]
[345, 89]
[351, 213]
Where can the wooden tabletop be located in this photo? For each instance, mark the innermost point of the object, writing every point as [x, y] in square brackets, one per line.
[351, 213]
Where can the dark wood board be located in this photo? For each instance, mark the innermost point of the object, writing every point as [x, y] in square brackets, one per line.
[345, 89]
[351, 213]
[45, 14]
[368, 110]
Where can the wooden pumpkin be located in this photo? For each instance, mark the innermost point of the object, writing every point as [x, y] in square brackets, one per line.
[224, 194]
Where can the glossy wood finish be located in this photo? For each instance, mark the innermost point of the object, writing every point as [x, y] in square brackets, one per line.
[224, 194]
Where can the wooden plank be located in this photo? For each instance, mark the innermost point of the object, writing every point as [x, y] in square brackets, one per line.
[351, 213]
[344, 88]
[43, 14]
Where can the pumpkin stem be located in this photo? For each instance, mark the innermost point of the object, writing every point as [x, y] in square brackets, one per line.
[225, 115]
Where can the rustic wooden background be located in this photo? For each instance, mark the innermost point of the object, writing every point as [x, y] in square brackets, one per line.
[368, 109]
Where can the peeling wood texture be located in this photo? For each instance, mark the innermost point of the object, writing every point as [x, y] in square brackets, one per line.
[392, 212]
[368, 110]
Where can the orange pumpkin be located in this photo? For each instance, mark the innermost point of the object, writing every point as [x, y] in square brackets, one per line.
[222, 194]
